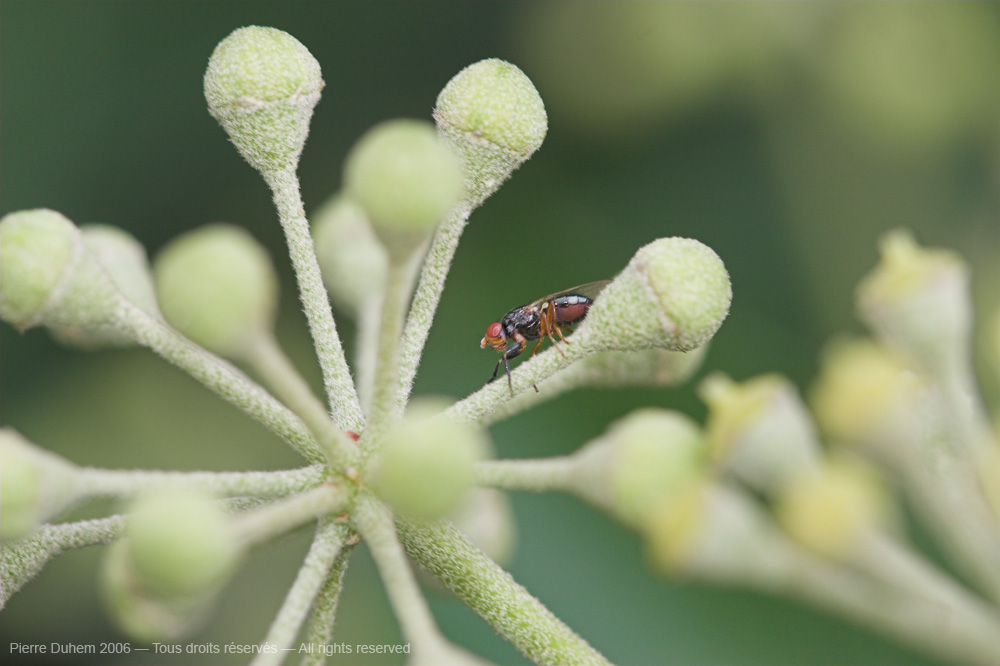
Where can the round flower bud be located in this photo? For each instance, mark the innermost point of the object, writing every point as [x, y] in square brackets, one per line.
[917, 301]
[860, 388]
[643, 458]
[426, 462]
[353, 261]
[47, 276]
[486, 517]
[262, 85]
[35, 485]
[674, 293]
[832, 508]
[180, 544]
[759, 430]
[124, 260]
[217, 286]
[144, 618]
[494, 119]
[406, 179]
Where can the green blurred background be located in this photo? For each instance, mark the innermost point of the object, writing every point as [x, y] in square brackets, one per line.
[787, 136]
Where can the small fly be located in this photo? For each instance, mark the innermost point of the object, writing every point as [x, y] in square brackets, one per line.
[544, 318]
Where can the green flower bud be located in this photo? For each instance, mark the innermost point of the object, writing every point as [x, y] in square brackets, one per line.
[494, 119]
[991, 475]
[406, 179]
[759, 430]
[35, 485]
[47, 276]
[643, 458]
[426, 462]
[917, 300]
[715, 532]
[262, 85]
[180, 544]
[124, 260]
[217, 286]
[142, 617]
[860, 389]
[832, 508]
[674, 294]
[353, 261]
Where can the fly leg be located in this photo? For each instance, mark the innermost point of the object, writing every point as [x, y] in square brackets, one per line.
[547, 325]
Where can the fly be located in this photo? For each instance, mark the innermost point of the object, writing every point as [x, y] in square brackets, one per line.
[544, 318]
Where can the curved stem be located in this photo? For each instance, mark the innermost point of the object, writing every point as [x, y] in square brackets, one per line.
[492, 593]
[218, 375]
[342, 397]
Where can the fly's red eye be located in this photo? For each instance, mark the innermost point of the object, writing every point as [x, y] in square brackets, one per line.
[495, 330]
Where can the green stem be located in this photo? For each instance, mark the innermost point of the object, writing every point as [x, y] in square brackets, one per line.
[374, 521]
[492, 593]
[397, 292]
[269, 361]
[534, 475]
[218, 375]
[342, 397]
[93, 482]
[319, 632]
[263, 524]
[327, 543]
[21, 560]
[366, 356]
[426, 299]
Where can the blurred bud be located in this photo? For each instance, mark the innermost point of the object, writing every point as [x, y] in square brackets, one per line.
[218, 287]
[353, 261]
[673, 294]
[48, 277]
[917, 301]
[144, 618]
[180, 544]
[991, 474]
[494, 120]
[860, 388]
[830, 509]
[642, 459]
[485, 516]
[124, 260]
[406, 179]
[35, 485]
[262, 85]
[716, 532]
[759, 430]
[425, 465]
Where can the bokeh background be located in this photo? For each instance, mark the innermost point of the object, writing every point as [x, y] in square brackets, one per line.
[787, 136]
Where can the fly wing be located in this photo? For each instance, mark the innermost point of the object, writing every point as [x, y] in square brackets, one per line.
[588, 289]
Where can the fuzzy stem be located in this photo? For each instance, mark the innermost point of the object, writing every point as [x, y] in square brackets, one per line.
[327, 543]
[537, 475]
[324, 610]
[426, 299]
[397, 292]
[374, 521]
[218, 375]
[492, 593]
[366, 355]
[284, 515]
[342, 397]
[269, 361]
[94, 482]
[21, 560]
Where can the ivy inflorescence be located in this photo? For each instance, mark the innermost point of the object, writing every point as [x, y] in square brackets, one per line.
[414, 478]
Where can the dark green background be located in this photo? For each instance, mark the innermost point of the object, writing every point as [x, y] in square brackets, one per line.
[786, 136]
